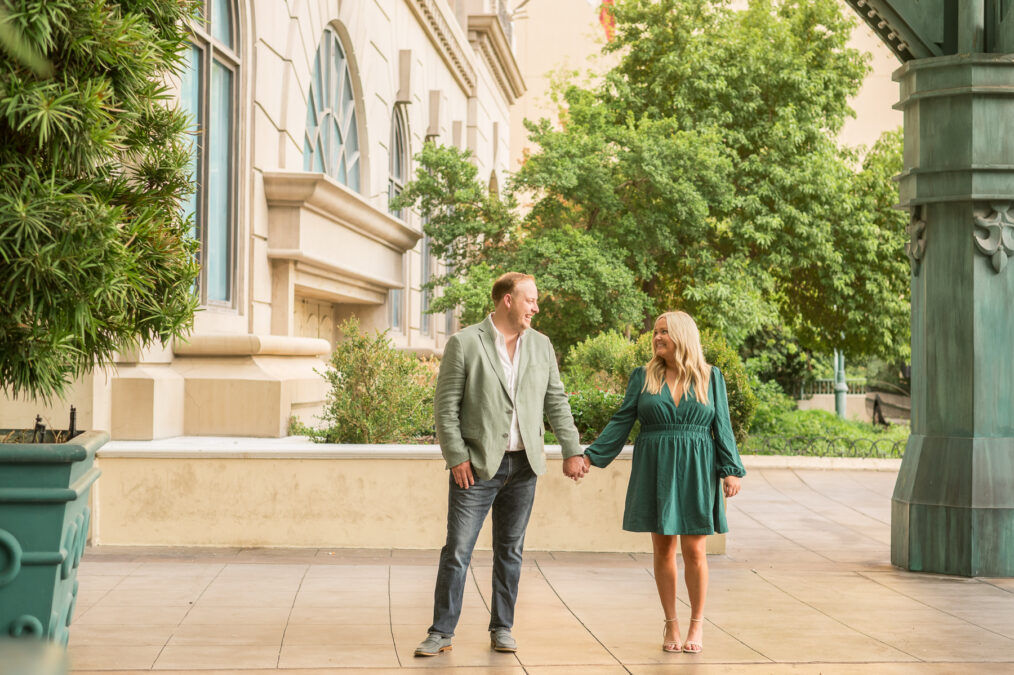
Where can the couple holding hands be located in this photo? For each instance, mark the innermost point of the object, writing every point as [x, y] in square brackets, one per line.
[498, 381]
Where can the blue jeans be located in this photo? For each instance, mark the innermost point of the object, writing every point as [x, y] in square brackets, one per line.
[511, 493]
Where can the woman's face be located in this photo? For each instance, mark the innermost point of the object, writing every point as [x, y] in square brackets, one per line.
[661, 342]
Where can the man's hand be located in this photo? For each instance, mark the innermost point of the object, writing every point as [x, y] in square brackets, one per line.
[730, 486]
[462, 473]
[576, 467]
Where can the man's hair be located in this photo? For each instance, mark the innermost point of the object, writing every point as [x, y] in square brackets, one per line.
[506, 283]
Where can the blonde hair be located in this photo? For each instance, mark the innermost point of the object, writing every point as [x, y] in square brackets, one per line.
[689, 358]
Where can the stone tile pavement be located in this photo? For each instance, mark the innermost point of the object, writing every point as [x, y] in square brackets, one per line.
[806, 586]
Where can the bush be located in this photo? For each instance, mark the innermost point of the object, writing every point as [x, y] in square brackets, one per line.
[772, 402]
[603, 362]
[818, 432]
[378, 394]
[592, 409]
[94, 165]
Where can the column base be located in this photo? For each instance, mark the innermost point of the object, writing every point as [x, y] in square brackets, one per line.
[953, 507]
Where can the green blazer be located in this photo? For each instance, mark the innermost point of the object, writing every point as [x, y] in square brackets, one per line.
[473, 408]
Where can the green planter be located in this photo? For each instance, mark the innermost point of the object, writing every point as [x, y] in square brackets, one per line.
[44, 518]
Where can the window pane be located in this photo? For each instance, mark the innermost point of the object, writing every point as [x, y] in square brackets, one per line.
[394, 300]
[221, 21]
[424, 319]
[190, 102]
[218, 242]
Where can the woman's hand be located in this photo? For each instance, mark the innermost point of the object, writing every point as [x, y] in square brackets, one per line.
[730, 486]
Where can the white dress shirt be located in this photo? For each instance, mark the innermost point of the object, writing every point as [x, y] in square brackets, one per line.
[510, 371]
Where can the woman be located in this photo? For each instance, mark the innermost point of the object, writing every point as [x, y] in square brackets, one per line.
[684, 447]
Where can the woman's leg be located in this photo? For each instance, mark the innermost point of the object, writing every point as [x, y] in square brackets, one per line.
[664, 560]
[695, 568]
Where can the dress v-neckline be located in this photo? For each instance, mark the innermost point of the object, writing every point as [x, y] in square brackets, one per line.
[675, 403]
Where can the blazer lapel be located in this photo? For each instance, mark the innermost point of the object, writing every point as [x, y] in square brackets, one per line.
[527, 356]
[487, 330]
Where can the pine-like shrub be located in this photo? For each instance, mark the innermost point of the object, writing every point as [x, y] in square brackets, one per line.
[95, 252]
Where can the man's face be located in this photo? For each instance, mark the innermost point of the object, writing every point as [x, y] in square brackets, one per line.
[524, 304]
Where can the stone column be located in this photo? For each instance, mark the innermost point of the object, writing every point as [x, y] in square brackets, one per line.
[953, 504]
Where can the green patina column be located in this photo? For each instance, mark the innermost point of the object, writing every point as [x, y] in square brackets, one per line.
[953, 504]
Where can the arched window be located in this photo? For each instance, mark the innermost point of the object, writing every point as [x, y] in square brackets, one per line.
[398, 158]
[331, 144]
[208, 93]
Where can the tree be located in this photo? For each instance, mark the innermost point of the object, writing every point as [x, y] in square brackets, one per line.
[704, 173]
[479, 236]
[95, 253]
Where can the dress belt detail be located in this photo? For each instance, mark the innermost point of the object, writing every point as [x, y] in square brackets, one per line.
[662, 429]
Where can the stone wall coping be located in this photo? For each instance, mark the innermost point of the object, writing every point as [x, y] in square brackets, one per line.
[250, 345]
[301, 447]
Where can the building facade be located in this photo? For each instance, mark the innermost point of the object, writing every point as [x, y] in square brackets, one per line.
[308, 114]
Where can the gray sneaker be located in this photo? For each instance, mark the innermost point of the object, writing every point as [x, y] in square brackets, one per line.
[433, 645]
[501, 640]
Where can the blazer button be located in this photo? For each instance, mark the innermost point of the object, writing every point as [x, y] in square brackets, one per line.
[505, 436]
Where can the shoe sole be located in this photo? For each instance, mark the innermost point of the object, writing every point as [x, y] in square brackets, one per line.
[509, 650]
[436, 653]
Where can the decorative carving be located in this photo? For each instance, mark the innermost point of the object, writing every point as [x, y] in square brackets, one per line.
[445, 40]
[10, 557]
[998, 241]
[916, 246]
[26, 625]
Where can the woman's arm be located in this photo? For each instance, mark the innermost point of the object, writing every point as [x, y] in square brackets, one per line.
[609, 443]
[727, 456]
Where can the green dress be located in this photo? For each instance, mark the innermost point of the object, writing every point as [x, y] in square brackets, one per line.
[681, 453]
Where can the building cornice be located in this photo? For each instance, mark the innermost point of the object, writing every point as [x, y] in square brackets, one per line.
[447, 39]
[486, 34]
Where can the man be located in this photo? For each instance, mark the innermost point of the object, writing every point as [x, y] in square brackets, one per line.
[497, 380]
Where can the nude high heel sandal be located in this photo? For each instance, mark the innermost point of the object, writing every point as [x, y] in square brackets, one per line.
[671, 646]
[692, 646]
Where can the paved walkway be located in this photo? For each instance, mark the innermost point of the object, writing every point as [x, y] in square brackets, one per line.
[805, 587]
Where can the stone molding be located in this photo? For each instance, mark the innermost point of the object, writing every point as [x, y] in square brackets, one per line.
[320, 193]
[446, 39]
[251, 345]
[300, 447]
[485, 33]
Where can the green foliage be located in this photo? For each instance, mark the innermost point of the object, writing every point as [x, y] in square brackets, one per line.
[377, 393]
[478, 237]
[772, 403]
[592, 409]
[703, 173]
[773, 354]
[821, 432]
[95, 254]
[604, 362]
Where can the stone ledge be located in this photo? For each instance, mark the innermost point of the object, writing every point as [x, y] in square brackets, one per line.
[300, 447]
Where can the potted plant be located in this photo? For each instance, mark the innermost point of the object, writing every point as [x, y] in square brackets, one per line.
[96, 256]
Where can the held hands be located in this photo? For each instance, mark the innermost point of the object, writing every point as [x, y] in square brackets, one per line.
[730, 486]
[576, 467]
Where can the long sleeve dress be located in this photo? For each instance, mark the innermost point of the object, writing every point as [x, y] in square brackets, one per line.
[680, 455]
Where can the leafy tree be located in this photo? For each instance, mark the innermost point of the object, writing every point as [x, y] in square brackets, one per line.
[479, 236]
[95, 255]
[704, 174]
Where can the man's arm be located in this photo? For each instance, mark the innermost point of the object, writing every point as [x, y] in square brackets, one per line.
[557, 408]
[447, 404]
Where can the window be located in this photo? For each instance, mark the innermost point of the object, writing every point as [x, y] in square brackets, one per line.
[208, 94]
[427, 273]
[331, 144]
[398, 171]
[398, 159]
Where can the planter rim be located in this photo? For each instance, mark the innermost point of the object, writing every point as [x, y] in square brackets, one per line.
[75, 450]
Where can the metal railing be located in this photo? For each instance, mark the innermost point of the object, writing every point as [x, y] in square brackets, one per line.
[825, 446]
[856, 385]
